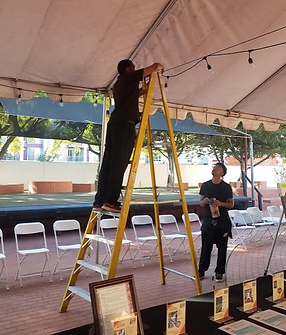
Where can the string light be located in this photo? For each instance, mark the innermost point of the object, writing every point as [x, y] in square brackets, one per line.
[61, 100]
[19, 97]
[250, 60]
[166, 83]
[208, 65]
[95, 100]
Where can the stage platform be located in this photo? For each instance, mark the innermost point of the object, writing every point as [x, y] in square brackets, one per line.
[46, 208]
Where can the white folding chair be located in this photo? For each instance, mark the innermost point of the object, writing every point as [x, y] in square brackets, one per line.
[171, 232]
[193, 217]
[31, 228]
[243, 231]
[139, 223]
[259, 222]
[3, 260]
[275, 214]
[112, 224]
[61, 226]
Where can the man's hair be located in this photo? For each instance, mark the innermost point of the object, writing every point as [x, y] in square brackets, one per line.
[122, 65]
[224, 169]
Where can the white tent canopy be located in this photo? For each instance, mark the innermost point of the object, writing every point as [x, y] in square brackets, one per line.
[68, 47]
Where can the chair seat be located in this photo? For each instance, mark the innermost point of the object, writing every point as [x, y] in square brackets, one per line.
[2, 256]
[262, 224]
[126, 241]
[196, 233]
[69, 247]
[172, 236]
[244, 227]
[147, 238]
[33, 251]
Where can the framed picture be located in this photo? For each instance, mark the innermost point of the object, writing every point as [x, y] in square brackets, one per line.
[111, 299]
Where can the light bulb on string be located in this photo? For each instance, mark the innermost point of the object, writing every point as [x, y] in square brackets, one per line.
[250, 60]
[95, 100]
[208, 65]
[166, 84]
[61, 100]
[19, 97]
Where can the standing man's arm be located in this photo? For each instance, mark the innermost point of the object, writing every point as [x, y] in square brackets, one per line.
[228, 204]
[204, 200]
[156, 67]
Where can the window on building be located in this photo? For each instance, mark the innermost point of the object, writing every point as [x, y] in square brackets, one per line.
[75, 155]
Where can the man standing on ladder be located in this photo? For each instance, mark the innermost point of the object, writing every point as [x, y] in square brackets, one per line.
[120, 136]
[216, 197]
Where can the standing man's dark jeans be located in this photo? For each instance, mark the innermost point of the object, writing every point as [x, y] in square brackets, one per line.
[120, 139]
[212, 235]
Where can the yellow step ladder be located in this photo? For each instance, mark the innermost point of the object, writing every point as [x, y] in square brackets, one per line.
[95, 217]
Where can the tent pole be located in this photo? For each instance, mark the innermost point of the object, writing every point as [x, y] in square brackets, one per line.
[103, 129]
[252, 172]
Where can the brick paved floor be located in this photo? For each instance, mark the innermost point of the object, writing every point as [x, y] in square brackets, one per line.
[33, 309]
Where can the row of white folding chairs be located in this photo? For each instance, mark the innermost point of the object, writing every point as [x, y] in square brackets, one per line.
[3, 260]
[170, 232]
[258, 225]
[22, 251]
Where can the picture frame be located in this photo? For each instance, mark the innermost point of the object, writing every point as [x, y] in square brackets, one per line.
[111, 299]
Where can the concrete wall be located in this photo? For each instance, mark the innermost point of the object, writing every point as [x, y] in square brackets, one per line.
[22, 172]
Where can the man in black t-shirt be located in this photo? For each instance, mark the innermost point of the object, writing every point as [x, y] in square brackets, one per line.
[217, 198]
[120, 135]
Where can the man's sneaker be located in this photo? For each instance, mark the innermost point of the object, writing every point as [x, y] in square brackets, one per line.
[218, 277]
[96, 207]
[111, 208]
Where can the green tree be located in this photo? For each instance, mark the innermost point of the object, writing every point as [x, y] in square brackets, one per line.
[161, 143]
[231, 144]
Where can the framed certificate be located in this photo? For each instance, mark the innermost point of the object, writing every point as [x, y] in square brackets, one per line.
[112, 299]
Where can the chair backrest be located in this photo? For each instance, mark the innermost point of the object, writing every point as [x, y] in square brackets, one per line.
[255, 214]
[193, 217]
[2, 251]
[29, 228]
[141, 220]
[170, 219]
[109, 223]
[235, 214]
[106, 224]
[65, 225]
[274, 211]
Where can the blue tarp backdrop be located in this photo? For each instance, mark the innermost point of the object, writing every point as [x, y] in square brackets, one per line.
[86, 112]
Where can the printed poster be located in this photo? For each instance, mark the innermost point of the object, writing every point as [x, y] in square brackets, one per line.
[221, 303]
[278, 286]
[281, 305]
[271, 318]
[126, 325]
[244, 327]
[249, 295]
[176, 318]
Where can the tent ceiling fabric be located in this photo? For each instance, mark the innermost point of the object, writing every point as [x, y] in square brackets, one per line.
[70, 47]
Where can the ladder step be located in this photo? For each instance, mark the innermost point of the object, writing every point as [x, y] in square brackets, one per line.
[93, 266]
[100, 238]
[80, 292]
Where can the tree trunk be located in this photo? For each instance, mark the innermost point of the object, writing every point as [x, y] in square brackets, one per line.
[6, 145]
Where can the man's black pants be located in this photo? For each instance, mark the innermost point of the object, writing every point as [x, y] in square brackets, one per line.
[120, 139]
[213, 235]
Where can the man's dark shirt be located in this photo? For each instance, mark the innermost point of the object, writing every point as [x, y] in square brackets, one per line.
[126, 96]
[221, 192]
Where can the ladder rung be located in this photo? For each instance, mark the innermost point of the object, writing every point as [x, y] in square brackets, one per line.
[93, 266]
[100, 238]
[103, 211]
[154, 202]
[80, 292]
